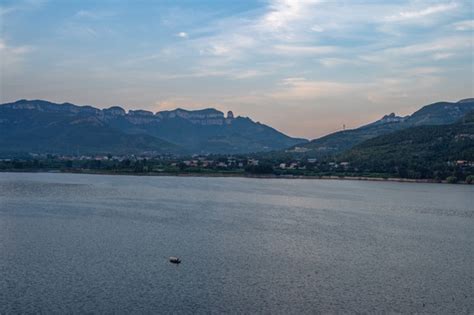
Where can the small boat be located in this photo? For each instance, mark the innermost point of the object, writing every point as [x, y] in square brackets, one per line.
[175, 260]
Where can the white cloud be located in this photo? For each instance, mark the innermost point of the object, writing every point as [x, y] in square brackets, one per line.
[285, 12]
[416, 14]
[445, 44]
[79, 31]
[298, 89]
[229, 46]
[421, 71]
[317, 28]
[443, 55]
[467, 25]
[303, 50]
[182, 34]
[283, 27]
[392, 87]
[334, 62]
[6, 10]
[13, 50]
[11, 56]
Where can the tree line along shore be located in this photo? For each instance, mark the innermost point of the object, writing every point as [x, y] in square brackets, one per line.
[242, 166]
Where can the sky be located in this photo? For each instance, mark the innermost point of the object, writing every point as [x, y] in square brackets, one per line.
[304, 67]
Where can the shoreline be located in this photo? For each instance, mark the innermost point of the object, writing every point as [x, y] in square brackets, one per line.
[243, 175]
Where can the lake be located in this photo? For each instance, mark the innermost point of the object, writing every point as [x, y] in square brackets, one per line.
[97, 243]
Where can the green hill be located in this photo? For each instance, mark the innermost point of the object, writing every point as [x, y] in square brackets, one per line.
[73, 135]
[435, 151]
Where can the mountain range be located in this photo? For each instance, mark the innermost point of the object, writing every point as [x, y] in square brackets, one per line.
[440, 113]
[44, 127]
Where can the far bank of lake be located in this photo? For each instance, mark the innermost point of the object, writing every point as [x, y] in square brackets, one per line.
[241, 175]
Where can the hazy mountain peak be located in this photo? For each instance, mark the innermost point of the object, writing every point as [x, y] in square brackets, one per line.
[386, 119]
[392, 118]
[115, 111]
[207, 116]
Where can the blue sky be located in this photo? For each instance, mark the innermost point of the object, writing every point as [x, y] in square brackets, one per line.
[305, 67]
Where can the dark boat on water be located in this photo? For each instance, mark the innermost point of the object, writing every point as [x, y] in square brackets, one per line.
[175, 260]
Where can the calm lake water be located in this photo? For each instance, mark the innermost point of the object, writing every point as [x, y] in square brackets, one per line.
[93, 243]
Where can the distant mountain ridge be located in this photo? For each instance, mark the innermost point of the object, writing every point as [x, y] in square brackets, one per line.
[42, 126]
[440, 113]
[195, 116]
[423, 151]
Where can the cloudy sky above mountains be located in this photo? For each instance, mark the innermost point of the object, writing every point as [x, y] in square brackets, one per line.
[305, 67]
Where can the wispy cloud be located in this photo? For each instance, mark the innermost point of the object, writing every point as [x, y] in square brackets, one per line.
[283, 13]
[335, 62]
[304, 50]
[21, 5]
[445, 44]
[225, 46]
[317, 28]
[79, 31]
[12, 56]
[421, 13]
[94, 14]
[301, 89]
[467, 25]
[6, 10]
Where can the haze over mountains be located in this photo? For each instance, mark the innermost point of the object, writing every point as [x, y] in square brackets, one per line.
[42, 126]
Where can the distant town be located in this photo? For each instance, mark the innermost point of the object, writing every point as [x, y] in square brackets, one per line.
[170, 163]
[260, 165]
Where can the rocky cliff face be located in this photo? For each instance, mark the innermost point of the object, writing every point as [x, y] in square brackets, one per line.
[44, 106]
[202, 117]
[388, 119]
